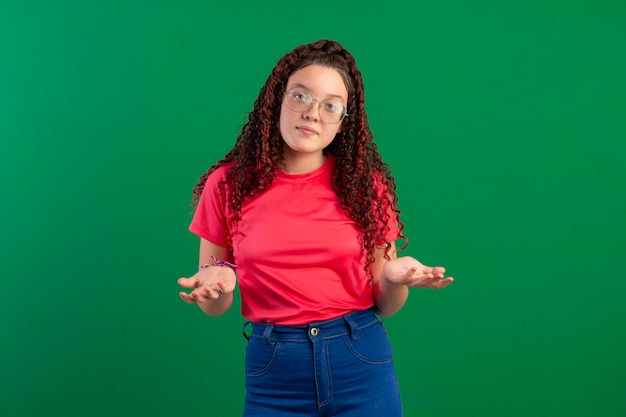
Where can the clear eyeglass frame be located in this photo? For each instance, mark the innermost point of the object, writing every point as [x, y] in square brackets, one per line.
[300, 100]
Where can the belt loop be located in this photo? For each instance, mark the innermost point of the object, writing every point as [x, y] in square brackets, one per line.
[353, 326]
[267, 333]
[243, 330]
[378, 315]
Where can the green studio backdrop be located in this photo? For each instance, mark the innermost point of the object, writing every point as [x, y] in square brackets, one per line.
[504, 124]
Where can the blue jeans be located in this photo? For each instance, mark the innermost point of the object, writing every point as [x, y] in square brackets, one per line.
[341, 367]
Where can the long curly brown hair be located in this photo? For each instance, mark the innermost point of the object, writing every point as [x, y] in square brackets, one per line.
[359, 169]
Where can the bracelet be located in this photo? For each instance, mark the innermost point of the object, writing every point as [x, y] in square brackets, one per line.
[219, 263]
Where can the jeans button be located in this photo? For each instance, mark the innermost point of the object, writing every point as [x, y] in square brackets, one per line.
[314, 331]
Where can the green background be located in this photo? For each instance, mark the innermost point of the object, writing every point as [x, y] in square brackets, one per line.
[504, 123]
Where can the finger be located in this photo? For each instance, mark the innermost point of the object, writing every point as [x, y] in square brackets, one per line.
[410, 271]
[188, 282]
[431, 281]
[212, 294]
[438, 270]
[428, 280]
[420, 280]
[444, 283]
[439, 277]
[186, 297]
[225, 289]
[413, 277]
[206, 294]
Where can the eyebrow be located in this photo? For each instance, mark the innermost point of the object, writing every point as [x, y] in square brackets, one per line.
[308, 89]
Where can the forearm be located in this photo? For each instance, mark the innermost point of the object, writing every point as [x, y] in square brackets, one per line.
[389, 297]
[209, 255]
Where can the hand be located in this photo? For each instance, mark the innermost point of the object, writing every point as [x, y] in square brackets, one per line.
[410, 272]
[209, 283]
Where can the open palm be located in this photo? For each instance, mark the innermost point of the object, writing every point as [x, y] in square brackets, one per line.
[411, 272]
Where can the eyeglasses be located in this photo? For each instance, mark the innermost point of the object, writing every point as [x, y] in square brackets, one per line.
[332, 110]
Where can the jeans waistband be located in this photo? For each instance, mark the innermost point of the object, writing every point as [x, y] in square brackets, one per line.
[347, 324]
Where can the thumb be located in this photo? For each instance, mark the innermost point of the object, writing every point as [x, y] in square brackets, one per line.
[409, 273]
[188, 282]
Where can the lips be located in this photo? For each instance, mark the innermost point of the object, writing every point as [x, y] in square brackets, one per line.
[306, 130]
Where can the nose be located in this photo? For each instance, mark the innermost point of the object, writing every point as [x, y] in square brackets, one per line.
[313, 112]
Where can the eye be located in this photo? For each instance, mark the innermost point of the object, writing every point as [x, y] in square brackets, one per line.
[299, 97]
[333, 106]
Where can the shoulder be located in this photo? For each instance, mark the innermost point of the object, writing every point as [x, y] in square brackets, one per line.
[220, 173]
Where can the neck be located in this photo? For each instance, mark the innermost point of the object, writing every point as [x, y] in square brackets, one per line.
[301, 164]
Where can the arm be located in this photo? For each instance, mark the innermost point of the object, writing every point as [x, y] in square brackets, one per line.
[388, 297]
[392, 279]
[212, 287]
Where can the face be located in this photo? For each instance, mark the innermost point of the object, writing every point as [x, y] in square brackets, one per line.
[305, 134]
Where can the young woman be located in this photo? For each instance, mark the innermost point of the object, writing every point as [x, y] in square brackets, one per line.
[307, 211]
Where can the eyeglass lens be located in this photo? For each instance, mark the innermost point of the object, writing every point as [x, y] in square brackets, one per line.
[332, 110]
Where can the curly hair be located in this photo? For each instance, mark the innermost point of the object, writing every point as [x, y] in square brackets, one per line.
[359, 175]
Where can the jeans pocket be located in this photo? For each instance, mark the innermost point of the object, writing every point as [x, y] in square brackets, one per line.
[260, 356]
[371, 345]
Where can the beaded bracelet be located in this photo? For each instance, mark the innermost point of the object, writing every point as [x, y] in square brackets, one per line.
[219, 263]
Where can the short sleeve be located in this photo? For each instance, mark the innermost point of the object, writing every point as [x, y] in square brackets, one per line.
[210, 220]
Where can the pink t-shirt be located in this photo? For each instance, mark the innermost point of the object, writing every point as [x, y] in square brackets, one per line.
[299, 256]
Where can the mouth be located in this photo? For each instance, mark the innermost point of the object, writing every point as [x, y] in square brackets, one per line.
[306, 130]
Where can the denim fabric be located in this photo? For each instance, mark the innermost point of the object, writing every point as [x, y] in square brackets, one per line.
[342, 367]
